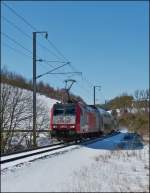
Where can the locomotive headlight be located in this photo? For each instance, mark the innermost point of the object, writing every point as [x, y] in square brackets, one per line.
[54, 126]
[72, 126]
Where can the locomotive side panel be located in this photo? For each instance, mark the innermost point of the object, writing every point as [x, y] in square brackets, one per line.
[78, 118]
[51, 119]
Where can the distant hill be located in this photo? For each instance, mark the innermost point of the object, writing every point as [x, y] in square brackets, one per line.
[18, 80]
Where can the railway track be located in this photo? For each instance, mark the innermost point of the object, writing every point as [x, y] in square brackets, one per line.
[29, 150]
[41, 152]
[17, 156]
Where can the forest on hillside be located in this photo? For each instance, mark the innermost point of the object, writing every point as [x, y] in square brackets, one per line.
[46, 89]
[132, 111]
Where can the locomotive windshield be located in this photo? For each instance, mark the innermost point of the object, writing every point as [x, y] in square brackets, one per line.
[70, 111]
[58, 111]
[64, 110]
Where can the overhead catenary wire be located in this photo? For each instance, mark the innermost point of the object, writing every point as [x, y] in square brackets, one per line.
[15, 26]
[50, 42]
[28, 36]
[20, 52]
[18, 15]
[16, 42]
[20, 45]
[71, 66]
[89, 83]
[46, 62]
[24, 54]
[30, 25]
[17, 50]
[34, 28]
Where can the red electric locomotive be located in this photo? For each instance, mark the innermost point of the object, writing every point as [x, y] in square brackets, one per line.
[77, 120]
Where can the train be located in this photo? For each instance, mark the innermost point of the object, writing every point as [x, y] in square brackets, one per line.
[73, 121]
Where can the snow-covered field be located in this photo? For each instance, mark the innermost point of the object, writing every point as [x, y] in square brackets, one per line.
[83, 169]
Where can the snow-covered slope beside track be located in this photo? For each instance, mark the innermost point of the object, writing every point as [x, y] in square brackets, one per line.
[88, 168]
[18, 116]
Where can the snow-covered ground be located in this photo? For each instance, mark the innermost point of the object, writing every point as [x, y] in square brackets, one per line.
[47, 101]
[88, 168]
[23, 161]
[23, 109]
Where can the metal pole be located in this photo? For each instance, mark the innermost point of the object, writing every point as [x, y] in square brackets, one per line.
[94, 95]
[34, 89]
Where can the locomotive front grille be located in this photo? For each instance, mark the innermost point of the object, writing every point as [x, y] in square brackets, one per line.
[64, 120]
[60, 126]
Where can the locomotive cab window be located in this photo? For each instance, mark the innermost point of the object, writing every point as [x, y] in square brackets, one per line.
[58, 111]
[70, 111]
[64, 110]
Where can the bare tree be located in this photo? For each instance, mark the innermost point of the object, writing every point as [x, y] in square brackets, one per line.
[13, 112]
[146, 100]
[141, 102]
[16, 113]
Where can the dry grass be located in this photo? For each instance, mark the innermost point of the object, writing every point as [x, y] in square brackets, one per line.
[114, 171]
[138, 122]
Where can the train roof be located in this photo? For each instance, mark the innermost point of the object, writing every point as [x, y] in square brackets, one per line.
[103, 111]
[98, 108]
[92, 107]
[69, 103]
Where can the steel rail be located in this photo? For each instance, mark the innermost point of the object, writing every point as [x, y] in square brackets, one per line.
[89, 141]
[31, 149]
[32, 154]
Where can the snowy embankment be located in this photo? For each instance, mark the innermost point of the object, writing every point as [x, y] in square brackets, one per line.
[47, 101]
[17, 114]
[25, 161]
[85, 169]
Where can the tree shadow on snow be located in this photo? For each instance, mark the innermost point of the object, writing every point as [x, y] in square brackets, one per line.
[123, 141]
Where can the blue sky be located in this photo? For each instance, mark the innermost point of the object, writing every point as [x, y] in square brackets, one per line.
[107, 41]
